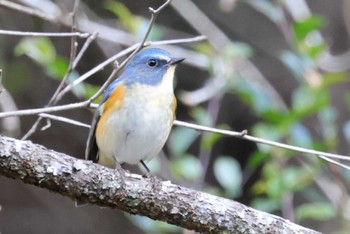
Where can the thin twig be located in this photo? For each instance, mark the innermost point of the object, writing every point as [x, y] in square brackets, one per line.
[53, 100]
[71, 60]
[177, 41]
[260, 140]
[30, 11]
[82, 51]
[1, 86]
[94, 70]
[36, 111]
[64, 120]
[44, 34]
[32, 130]
[334, 162]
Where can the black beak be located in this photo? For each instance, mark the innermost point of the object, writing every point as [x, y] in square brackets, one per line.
[175, 61]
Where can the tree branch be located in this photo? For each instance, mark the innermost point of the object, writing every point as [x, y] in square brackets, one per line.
[88, 182]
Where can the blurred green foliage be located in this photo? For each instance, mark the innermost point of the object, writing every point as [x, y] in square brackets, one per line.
[132, 23]
[42, 51]
[228, 172]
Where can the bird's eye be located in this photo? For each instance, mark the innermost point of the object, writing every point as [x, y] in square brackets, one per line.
[152, 62]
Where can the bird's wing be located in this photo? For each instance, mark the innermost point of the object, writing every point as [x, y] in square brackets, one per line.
[91, 150]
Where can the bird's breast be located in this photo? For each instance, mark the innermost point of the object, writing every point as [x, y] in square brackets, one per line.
[149, 103]
[139, 128]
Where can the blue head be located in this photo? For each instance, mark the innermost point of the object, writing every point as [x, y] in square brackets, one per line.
[149, 66]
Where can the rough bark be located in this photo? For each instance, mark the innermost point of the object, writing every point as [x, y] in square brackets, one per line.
[88, 182]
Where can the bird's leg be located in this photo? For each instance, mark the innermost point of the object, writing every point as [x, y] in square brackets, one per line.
[156, 182]
[148, 173]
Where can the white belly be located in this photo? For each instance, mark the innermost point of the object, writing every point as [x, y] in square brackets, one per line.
[138, 130]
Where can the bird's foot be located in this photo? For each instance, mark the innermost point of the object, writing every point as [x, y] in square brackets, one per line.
[156, 182]
[121, 174]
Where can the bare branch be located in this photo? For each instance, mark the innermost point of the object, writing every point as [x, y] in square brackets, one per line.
[97, 68]
[244, 135]
[91, 183]
[86, 45]
[72, 63]
[65, 120]
[30, 11]
[1, 86]
[44, 34]
[44, 109]
[177, 41]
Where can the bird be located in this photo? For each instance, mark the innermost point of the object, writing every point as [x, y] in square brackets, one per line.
[136, 113]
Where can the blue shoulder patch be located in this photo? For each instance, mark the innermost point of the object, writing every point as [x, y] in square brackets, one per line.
[110, 89]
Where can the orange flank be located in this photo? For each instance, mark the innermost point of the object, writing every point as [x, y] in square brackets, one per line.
[113, 103]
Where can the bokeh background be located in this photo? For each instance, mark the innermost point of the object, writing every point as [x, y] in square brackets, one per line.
[279, 69]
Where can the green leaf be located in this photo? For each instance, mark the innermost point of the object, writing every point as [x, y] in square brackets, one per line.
[18, 70]
[270, 10]
[266, 131]
[155, 34]
[275, 187]
[313, 194]
[316, 210]
[265, 204]
[58, 67]
[307, 101]
[254, 95]
[204, 48]
[295, 64]
[228, 172]
[126, 18]
[330, 79]
[187, 167]
[278, 180]
[181, 139]
[316, 50]
[40, 49]
[201, 116]
[300, 136]
[151, 226]
[133, 23]
[328, 120]
[237, 49]
[295, 178]
[257, 158]
[274, 116]
[87, 91]
[209, 139]
[304, 27]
